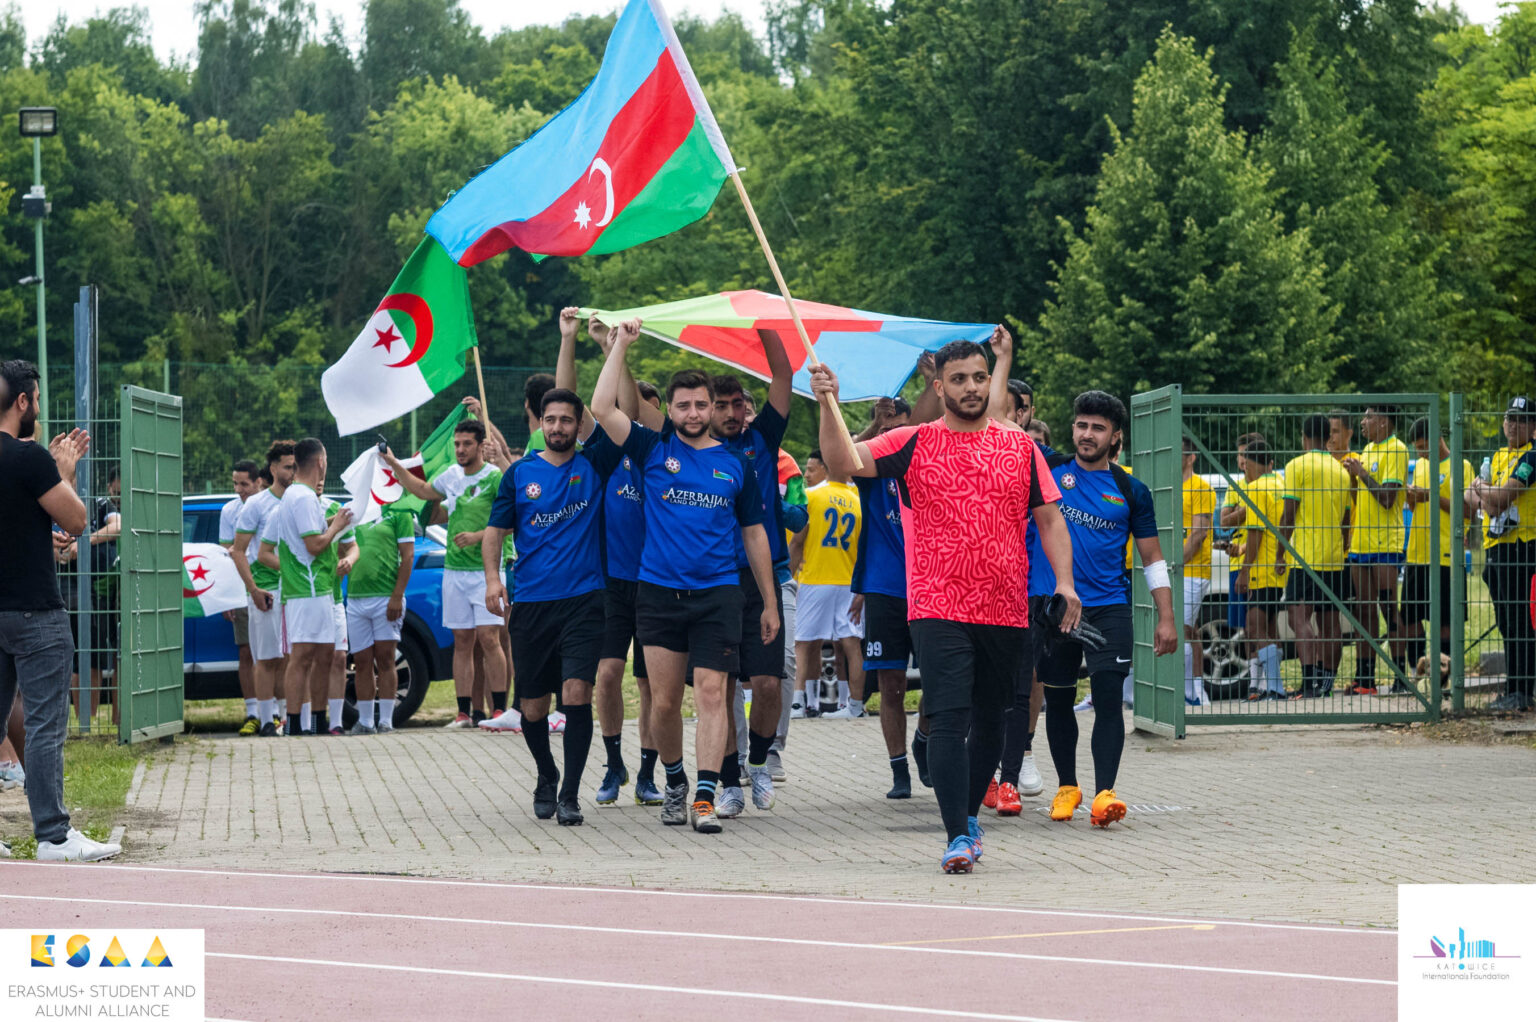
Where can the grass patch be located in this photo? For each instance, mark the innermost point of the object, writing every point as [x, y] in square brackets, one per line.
[97, 775]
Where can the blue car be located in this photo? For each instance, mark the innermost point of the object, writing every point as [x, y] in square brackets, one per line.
[211, 661]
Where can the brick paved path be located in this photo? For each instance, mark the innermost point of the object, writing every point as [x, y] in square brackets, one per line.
[1298, 823]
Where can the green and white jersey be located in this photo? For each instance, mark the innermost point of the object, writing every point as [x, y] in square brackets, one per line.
[255, 514]
[378, 554]
[302, 574]
[468, 499]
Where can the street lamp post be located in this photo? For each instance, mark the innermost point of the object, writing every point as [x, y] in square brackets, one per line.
[35, 122]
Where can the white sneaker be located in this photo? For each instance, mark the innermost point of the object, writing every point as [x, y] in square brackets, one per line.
[848, 711]
[5, 850]
[1086, 704]
[796, 710]
[508, 720]
[1029, 776]
[76, 847]
[556, 722]
[776, 768]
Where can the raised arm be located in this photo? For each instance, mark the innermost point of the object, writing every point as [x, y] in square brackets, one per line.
[833, 446]
[605, 396]
[414, 484]
[61, 501]
[927, 407]
[999, 400]
[781, 375]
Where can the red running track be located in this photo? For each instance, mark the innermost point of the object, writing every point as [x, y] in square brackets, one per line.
[288, 946]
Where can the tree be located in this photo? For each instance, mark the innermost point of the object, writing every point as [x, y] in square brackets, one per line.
[1184, 272]
[419, 39]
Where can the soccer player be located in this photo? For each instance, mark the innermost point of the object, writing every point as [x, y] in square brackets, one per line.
[386, 552]
[1232, 514]
[468, 488]
[534, 389]
[246, 478]
[1022, 396]
[1431, 483]
[1199, 510]
[1104, 508]
[1316, 524]
[701, 500]
[262, 588]
[1508, 500]
[551, 502]
[1380, 473]
[824, 553]
[1260, 578]
[969, 483]
[299, 543]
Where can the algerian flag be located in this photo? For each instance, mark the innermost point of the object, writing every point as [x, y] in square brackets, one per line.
[412, 348]
[435, 455]
[209, 582]
[373, 484]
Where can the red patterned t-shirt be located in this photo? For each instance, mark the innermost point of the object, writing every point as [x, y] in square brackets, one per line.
[970, 495]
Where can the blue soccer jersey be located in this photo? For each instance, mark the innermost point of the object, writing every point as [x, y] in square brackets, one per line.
[624, 519]
[696, 501]
[1100, 520]
[760, 447]
[882, 562]
[555, 515]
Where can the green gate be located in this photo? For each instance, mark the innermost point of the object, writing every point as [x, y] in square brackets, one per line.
[149, 676]
[1156, 430]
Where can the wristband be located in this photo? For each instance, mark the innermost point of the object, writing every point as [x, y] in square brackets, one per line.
[1157, 575]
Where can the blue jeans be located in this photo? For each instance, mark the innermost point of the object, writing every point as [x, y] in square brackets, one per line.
[36, 651]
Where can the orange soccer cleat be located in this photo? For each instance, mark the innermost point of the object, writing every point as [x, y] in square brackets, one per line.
[1068, 798]
[1107, 808]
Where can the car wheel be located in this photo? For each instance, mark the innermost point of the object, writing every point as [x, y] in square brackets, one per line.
[1224, 668]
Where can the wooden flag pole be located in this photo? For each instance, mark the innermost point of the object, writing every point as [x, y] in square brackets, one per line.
[480, 379]
[794, 314]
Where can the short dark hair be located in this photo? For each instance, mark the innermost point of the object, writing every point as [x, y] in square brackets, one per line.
[647, 390]
[900, 407]
[1042, 427]
[474, 427]
[957, 350]
[1248, 438]
[816, 453]
[1188, 443]
[749, 398]
[247, 466]
[1020, 390]
[279, 450]
[689, 379]
[20, 378]
[1257, 449]
[1388, 412]
[1338, 413]
[113, 475]
[1105, 406]
[306, 451]
[1418, 430]
[535, 387]
[1318, 427]
[561, 396]
[726, 385]
[266, 475]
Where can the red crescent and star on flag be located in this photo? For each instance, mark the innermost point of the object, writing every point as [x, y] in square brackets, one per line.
[391, 486]
[197, 574]
[414, 306]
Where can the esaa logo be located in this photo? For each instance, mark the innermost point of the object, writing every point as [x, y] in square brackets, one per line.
[77, 953]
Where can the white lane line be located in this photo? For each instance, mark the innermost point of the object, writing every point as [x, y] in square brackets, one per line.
[732, 895]
[712, 993]
[695, 935]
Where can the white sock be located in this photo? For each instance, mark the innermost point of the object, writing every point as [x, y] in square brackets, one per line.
[282, 708]
[264, 709]
[858, 707]
[387, 710]
[1128, 689]
[1189, 664]
[250, 707]
[842, 692]
[365, 712]
[306, 718]
[1254, 675]
[333, 709]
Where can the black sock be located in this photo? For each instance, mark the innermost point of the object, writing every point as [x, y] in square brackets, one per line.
[1108, 741]
[320, 724]
[758, 747]
[1029, 741]
[499, 702]
[1061, 732]
[949, 766]
[536, 734]
[578, 743]
[676, 775]
[613, 744]
[648, 765]
[899, 769]
[464, 704]
[709, 780]
[984, 745]
[293, 725]
[730, 770]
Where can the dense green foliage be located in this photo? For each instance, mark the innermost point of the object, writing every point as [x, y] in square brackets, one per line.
[1227, 194]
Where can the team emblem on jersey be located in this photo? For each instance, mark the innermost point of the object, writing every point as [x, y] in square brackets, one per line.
[626, 463]
[1068, 481]
[890, 487]
[1374, 465]
[673, 465]
[532, 491]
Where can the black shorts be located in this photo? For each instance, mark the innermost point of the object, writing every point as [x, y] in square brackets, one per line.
[967, 666]
[758, 660]
[1416, 606]
[553, 640]
[1061, 656]
[704, 623]
[1303, 588]
[1270, 600]
[619, 624]
[887, 636]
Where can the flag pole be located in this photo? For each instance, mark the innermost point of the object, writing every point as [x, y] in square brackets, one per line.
[794, 313]
[480, 379]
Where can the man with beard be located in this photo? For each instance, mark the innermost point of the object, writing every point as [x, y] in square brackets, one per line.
[701, 501]
[37, 490]
[551, 502]
[970, 485]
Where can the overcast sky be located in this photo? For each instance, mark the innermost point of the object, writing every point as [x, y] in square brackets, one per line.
[175, 30]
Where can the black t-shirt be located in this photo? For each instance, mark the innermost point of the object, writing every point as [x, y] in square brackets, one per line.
[27, 472]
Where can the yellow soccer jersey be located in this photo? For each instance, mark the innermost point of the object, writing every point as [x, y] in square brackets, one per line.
[1268, 494]
[1418, 530]
[1377, 529]
[1322, 489]
[1523, 507]
[1199, 499]
[832, 537]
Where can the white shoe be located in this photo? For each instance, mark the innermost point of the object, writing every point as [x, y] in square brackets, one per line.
[796, 711]
[508, 720]
[12, 776]
[556, 722]
[5, 850]
[848, 711]
[1029, 776]
[1086, 704]
[776, 768]
[76, 847]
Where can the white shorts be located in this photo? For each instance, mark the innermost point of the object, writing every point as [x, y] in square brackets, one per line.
[821, 612]
[266, 630]
[309, 619]
[464, 601]
[1194, 592]
[341, 627]
[368, 622]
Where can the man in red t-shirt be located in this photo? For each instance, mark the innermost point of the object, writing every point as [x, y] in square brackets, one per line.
[971, 484]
